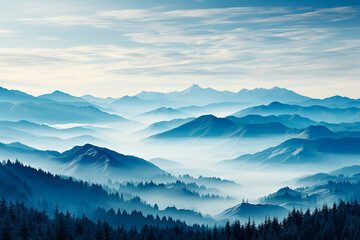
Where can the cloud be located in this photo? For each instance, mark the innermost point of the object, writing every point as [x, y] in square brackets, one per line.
[7, 33]
[69, 21]
[141, 48]
[327, 14]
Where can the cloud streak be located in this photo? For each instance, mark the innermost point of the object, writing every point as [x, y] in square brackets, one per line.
[224, 47]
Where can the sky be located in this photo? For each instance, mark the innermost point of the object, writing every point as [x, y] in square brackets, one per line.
[115, 48]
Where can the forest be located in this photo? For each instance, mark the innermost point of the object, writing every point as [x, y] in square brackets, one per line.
[340, 221]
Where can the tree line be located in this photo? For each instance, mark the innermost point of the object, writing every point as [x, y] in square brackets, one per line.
[340, 221]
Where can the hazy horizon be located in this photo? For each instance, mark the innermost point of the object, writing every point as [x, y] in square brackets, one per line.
[36, 94]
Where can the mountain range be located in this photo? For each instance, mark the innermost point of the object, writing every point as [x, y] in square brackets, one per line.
[354, 126]
[202, 96]
[315, 112]
[163, 126]
[291, 121]
[249, 126]
[301, 151]
[333, 102]
[318, 131]
[219, 109]
[90, 160]
[194, 100]
[161, 114]
[59, 96]
[344, 174]
[47, 191]
[46, 130]
[210, 126]
[55, 113]
[312, 196]
[15, 96]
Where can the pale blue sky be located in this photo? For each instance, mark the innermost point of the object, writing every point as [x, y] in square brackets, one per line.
[113, 48]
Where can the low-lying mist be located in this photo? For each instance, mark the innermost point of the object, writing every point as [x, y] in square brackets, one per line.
[196, 157]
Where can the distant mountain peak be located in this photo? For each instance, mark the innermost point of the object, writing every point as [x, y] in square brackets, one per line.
[195, 86]
[318, 129]
[208, 116]
[88, 145]
[60, 96]
[276, 103]
[107, 161]
[192, 88]
[163, 111]
[254, 211]
[59, 93]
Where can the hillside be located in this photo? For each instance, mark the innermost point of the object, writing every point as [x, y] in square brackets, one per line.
[55, 113]
[88, 162]
[300, 151]
[316, 113]
[209, 126]
[257, 212]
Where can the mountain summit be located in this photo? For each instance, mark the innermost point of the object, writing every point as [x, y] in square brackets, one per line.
[62, 97]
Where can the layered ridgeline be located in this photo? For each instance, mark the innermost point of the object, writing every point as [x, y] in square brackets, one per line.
[163, 126]
[289, 120]
[45, 136]
[313, 196]
[15, 96]
[45, 130]
[54, 108]
[315, 112]
[333, 102]
[344, 174]
[59, 96]
[87, 162]
[196, 100]
[209, 126]
[162, 113]
[65, 108]
[46, 191]
[55, 113]
[132, 105]
[195, 95]
[105, 166]
[305, 151]
[258, 212]
[319, 188]
[178, 193]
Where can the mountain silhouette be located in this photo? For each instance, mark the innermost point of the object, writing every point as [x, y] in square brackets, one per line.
[291, 121]
[59, 96]
[88, 162]
[196, 95]
[211, 126]
[162, 114]
[316, 113]
[55, 113]
[258, 212]
[333, 102]
[15, 96]
[299, 151]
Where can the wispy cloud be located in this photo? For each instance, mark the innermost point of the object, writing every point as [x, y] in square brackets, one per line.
[7, 33]
[141, 48]
[328, 14]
